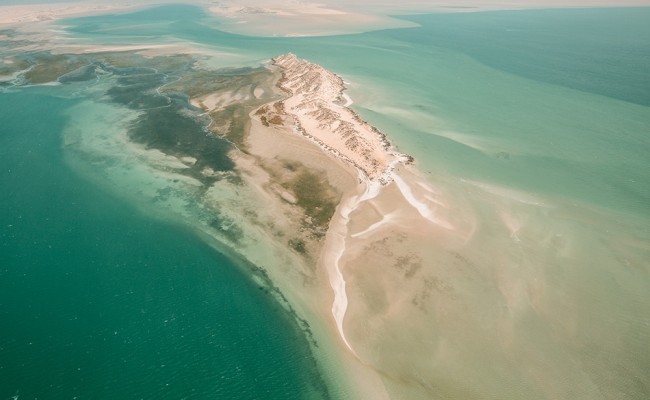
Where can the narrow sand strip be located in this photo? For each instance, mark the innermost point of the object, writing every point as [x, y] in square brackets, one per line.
[424, 210]
[335, 248]
[383, 221]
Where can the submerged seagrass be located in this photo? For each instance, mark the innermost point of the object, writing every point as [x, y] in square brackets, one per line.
[142, 300]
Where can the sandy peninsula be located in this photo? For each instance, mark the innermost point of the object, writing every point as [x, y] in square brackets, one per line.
[327, 187]
[433, 295]
[382, 199]
[316, 105]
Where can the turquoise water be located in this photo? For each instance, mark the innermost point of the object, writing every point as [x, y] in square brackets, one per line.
[549, 102]
[100, 301]
[484, 96]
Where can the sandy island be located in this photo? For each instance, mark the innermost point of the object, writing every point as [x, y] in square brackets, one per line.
[397, 277]
[382, 199]
[410, 288]
[305, 152]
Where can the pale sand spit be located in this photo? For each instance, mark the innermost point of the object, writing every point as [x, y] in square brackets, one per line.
[383, 196]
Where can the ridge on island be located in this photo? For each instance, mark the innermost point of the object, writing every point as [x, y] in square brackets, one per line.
[387, 197]
[315, 104]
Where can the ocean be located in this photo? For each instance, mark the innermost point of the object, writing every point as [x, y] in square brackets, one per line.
[99, 300]
[104, 296]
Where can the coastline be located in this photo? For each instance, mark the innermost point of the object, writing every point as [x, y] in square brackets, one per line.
[318, 299]
[315, 108]
[414, 286]
[272, 146]
[376, 201]
[270, 18]
[409, 253]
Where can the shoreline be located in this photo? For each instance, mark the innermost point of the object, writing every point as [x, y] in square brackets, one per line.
[265, 218]
[324, 18]
[316, 100]
[359, 217]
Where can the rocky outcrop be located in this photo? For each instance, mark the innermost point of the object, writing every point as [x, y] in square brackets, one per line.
[315, 104]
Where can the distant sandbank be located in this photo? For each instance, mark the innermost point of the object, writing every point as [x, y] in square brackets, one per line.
[275, 18]
[31, 13]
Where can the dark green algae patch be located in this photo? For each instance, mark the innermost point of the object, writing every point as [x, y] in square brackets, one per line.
[168, 122]
[314, 195]
[160, 89]
[48, 68]
[231, 121]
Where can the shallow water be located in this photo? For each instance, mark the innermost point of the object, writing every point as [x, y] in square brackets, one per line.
[535, 122]
[98, 300]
